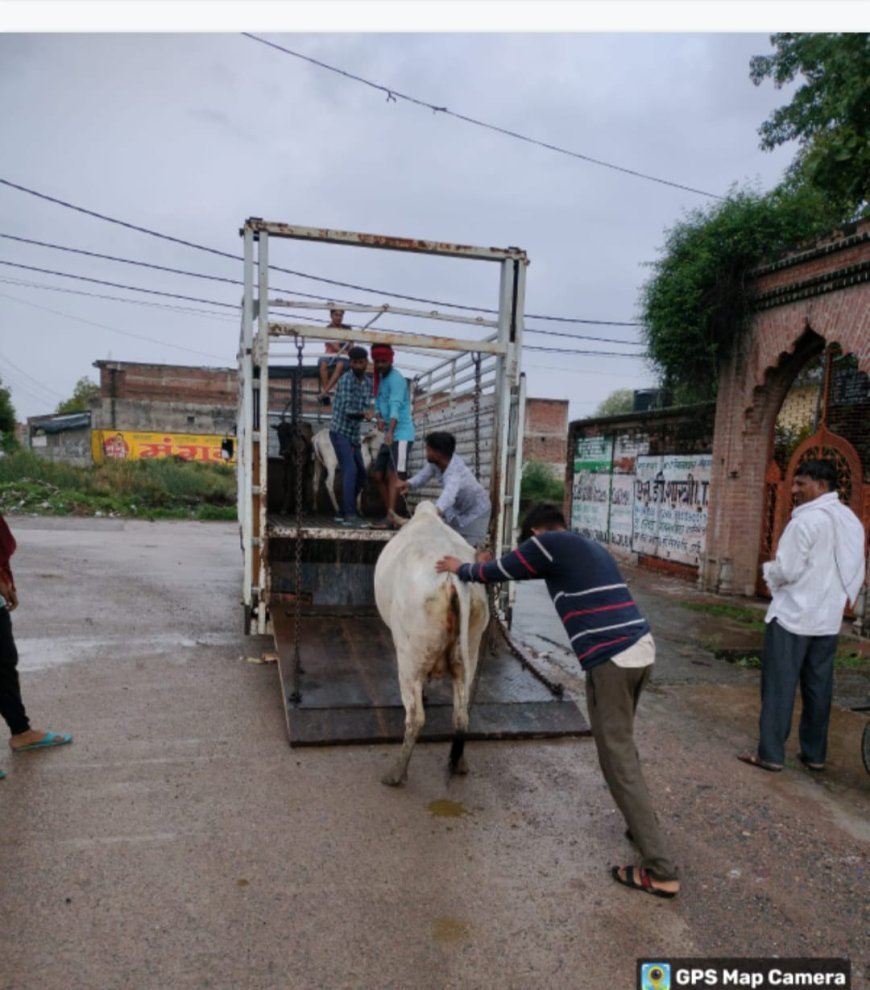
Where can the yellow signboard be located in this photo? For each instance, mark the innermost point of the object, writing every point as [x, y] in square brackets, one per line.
[128, 445]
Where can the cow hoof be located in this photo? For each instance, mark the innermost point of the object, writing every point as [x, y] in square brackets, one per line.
[393, 779]
[461, 767]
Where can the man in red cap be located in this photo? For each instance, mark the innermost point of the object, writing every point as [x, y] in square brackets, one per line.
[393, 409]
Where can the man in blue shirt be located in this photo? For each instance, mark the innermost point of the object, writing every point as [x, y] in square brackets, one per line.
[353, 396]
[393, 408]
[615, 648]
[463, 503]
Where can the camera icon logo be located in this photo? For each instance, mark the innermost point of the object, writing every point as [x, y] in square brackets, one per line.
[655, 976]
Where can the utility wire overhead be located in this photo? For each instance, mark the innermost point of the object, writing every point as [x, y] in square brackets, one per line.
[393, 94]
[290, 271]
[104, 326]
[213, 302]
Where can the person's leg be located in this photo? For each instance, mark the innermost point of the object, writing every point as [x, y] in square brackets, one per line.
[323, 371]
[360, 473]
[781, 661]
[612, 694]
[817, 691]
[344, 454]
[476, 531]
[337, 370]
[11, 705]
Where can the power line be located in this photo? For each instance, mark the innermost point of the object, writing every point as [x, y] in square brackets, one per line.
[572, 350]
[290, 271]
[104, 326]
[137, 302]
[118, 285]
[214, 302]
[393, 94]
[21, 371]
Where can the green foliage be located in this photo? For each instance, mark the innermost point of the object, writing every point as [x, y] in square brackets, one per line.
[8, 442]
[168, 488]
[695, 305]
[619, 401]
[539, 484]
[750, 617]
[85, 390]
[829, 114]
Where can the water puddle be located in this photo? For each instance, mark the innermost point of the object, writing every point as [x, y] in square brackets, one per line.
[444, 808]
[448, 929]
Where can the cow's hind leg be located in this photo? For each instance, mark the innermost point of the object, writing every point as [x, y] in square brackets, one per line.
[412, 699]
[457, 762]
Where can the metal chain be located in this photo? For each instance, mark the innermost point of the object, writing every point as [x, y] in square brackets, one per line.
[477, 361]
[557, 690]
[296, 419]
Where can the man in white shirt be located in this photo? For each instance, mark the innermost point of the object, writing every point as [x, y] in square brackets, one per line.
[819, 566]
[463, 503]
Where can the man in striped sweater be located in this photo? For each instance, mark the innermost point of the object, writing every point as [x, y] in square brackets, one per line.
[615, 648]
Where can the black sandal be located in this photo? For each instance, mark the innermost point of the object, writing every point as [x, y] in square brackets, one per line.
[643, 881]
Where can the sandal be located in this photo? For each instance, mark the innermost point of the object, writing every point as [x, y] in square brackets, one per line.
[643, 881]
[754, 760]
[815, 767]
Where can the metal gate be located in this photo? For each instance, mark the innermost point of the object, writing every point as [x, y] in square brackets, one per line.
[823, 444]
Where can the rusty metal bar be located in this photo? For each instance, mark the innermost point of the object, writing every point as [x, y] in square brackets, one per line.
[380, 337]
[477, 321]
[382, 241]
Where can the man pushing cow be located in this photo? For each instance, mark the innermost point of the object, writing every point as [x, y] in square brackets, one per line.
[615, 648]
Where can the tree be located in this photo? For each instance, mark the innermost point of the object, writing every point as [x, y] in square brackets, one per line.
[619, 401]
[8, 440]
[84, 391]
[695, 305]
[829, 114]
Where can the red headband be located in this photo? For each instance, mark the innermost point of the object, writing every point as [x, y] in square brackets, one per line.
[382, 352]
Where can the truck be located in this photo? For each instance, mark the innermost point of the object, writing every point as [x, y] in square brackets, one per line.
[308, 581]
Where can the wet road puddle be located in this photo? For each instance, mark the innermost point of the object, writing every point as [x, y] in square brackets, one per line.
[448, 929]
[444, 808]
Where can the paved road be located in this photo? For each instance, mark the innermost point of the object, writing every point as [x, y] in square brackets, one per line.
[180, 843]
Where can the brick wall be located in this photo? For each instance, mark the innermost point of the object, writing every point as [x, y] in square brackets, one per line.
[545, 434]
[814, 297]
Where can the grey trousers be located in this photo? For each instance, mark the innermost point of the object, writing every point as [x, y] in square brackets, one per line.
[612, 694]
[789, 660]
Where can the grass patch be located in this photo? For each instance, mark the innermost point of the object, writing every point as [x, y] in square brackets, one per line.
[749, 617]
[169, 488]
[749, 659]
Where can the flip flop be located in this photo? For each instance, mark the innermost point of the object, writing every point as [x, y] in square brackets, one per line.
[2, 774]
[643, 881]
[48, 740]
[754, 760]
[815, 767]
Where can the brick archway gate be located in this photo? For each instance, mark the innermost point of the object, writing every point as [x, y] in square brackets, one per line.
[814, 298]
[778, 501]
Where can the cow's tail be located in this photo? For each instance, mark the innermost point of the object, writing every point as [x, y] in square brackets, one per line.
[462, 600]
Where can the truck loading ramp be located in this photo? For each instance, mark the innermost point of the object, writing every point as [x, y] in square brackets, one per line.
[349, 689]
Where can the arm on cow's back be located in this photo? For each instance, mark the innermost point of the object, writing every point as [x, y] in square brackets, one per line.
[530, 560]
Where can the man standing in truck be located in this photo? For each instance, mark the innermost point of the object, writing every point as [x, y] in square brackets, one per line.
[393, 410]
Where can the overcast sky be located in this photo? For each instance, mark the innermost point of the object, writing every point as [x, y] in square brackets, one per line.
[189, 134]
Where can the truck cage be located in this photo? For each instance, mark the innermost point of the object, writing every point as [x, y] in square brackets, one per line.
[471, 386]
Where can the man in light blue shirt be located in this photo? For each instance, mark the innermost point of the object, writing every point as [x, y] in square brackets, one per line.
[393, 409]
[464, 502]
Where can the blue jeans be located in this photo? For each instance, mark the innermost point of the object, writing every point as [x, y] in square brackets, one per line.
[353, 471]
[789, 660]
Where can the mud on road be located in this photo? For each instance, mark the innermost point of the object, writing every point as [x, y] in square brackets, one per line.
[179, 842]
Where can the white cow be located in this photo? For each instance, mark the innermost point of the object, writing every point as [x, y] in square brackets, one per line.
[326, 461]
[436, 621]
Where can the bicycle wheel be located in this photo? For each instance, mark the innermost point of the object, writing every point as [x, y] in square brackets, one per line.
[865, 747]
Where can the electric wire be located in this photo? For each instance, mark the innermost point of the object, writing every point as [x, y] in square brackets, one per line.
[394, 94]
[298, 274]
